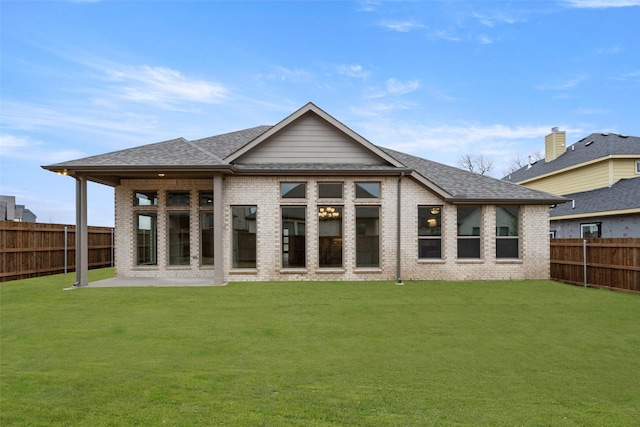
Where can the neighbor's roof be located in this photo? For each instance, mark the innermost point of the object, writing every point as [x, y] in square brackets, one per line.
[593, 147]
[182, 158]
[621, 196]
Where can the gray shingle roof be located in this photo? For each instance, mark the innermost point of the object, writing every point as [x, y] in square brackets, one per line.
[461, 184]
[624, 194]
[594, 146]
[209, 153]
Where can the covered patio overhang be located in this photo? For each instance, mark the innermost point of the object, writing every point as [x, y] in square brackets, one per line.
[113, 176]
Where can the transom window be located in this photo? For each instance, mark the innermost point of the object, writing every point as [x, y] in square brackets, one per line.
[146, 198]
[330, 190]
[429, 232]
[206, 198]
[178, 198]
[367, 190]
[293, 190]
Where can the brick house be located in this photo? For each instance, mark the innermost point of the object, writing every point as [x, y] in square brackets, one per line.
[310, 199]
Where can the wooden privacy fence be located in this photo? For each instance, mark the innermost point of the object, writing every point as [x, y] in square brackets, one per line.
[30, 249]
[609, 263]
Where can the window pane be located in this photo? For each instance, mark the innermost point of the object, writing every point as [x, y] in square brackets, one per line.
[206, 198]
[506, 248]
[294, 242]
[146, 198]
[469, 248]
[146, 239]
[244, 236]
[367, 236]
[429, 248]
[367, 190]
[293, 190]
[206, 238]
[590, 231]
[469, 220]
[330, 190]
[178, 238]
[178, 198]
[429, 220]
[330, 236]
[507, 218]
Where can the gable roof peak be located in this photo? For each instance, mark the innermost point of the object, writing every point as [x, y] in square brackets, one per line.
[311, 108]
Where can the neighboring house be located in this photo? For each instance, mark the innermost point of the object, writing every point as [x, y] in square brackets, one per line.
[310, 199]
[600, 174]
[9, 211]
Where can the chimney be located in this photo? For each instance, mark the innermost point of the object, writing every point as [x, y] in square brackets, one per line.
[555, 144]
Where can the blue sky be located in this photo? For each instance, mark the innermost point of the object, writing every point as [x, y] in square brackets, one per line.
[437, 79]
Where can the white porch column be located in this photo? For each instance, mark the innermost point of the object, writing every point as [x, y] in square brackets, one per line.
[82, 240]
[218, 224]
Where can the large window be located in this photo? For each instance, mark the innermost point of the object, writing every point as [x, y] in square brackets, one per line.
[206, 238]
[178, 230]
[146, 238]
[294, 242]
[367, 236]
[469, 220]
[429, 232]
[507, 231]
[206, 227]
[244, 236]
[330, 236]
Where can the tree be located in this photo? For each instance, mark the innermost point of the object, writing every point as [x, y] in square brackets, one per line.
[519, 162]
[476, 164]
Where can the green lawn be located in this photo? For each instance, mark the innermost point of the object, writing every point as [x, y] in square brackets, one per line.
[525, 353]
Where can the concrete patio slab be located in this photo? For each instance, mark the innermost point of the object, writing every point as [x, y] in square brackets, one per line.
[152, 282]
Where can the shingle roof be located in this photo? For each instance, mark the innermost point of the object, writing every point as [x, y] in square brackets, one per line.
[623, 195]
[594, 146]
[461, 184]
[175, 152]
[206, 154]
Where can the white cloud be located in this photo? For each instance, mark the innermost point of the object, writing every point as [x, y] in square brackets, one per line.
[354, 71]
[601, 4]
[608, 51]
[568, 84]
[284, 74]
[26, 148]
[634, 75]
[396, 87]
[401, 26]
[164, 86]
[491, 21]
[484, 39]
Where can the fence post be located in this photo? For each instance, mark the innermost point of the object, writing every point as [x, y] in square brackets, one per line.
[65, 249]
[584, 257]
[112, 248]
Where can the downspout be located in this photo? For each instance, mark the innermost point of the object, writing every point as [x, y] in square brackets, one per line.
[398, 231]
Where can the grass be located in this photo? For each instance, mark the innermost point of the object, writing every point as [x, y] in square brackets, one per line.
[318, 354]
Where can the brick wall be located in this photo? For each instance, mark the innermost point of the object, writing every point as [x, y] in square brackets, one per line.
[264, 192]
